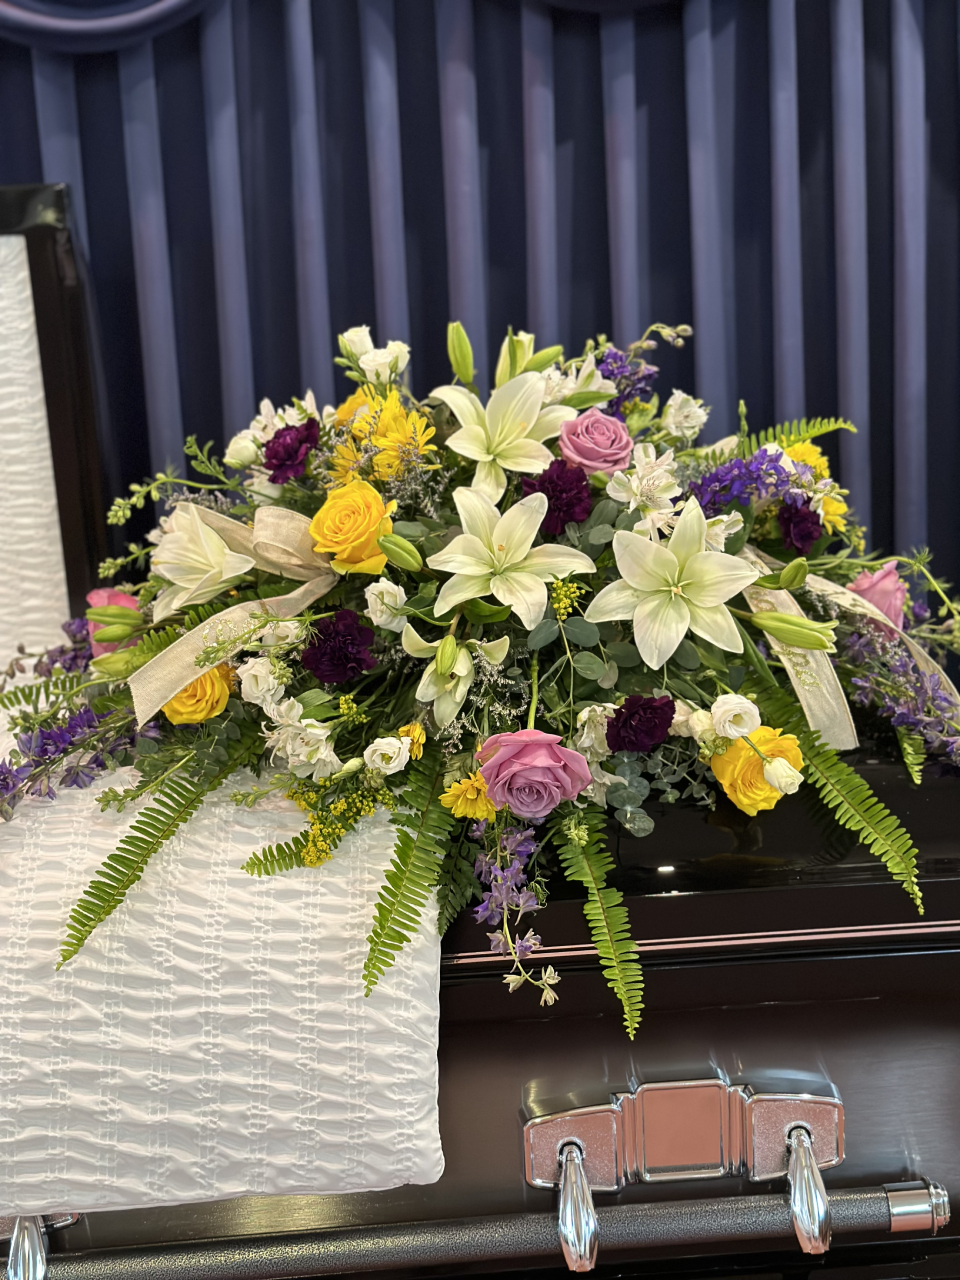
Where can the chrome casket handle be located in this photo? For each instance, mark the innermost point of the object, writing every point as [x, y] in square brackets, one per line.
[579, 1235]
[27, 1259]
[809, 1205]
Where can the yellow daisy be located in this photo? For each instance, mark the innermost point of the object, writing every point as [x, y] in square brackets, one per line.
[833, 513]
[811, 454]
[468, 798]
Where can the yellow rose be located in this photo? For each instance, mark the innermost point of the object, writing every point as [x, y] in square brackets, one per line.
[204, 698]
[348, 525]
[740, 770]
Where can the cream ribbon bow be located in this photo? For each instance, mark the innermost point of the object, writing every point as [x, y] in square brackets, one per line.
[280, 542]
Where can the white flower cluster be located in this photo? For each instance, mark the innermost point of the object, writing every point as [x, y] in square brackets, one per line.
[591, 742]
[732, 716]
[648, 488]
[305, 742]
[380, 364]
[683, 416]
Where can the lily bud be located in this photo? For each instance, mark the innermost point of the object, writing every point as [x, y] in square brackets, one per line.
[109, 613]
[460, 351]
[400, 552]
[543, 359]
[352, 766]
[446, 655]
[114, 634]
[781, 775]
[794, 574]
[121, 663]
[798, 632]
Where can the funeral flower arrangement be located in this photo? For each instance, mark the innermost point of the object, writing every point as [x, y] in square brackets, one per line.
[515, 622]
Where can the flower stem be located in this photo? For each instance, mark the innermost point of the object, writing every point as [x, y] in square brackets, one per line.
[534, 671]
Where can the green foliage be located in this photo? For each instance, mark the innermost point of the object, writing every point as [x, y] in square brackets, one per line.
[849, 798]
[273, 859]
[423, 835]
[41, 692]
[457, 886]
[589, 864]
[175, 804]
[914, 752]
[788, 434]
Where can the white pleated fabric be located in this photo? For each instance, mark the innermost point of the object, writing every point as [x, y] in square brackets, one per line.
[33, 585]
[212, 1038]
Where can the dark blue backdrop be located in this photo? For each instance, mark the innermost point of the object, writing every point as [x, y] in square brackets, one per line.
[260, 175]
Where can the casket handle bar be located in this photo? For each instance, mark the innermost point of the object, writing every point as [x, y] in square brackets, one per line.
[27, 1258]
[704, 1129]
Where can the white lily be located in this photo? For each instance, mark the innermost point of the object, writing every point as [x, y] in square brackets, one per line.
[495, 556]
[508, 434]
[668, 588]
[447, 693]
[195, 559]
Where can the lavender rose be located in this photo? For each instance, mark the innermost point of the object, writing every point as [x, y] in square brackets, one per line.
[640, 724]
[286, 453]
[596, 442]
[530, 772]
[886, 590]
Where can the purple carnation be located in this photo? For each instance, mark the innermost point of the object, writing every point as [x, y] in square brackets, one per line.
[339, 649]
[286, 453]
[568, 495]
[800, 526]
[640, 724]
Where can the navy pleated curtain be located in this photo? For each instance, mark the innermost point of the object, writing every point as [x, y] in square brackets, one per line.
[251, 176]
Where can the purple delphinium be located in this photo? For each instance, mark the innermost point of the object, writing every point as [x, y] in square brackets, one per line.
[508, 889]
[740, 480]
[568, 495]
[634, 379]
[800, 526]
[72, 657]
[286, 453]
[339, 649]
[640, 724]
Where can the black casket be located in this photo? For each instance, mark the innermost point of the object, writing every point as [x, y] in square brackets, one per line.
[791, 989]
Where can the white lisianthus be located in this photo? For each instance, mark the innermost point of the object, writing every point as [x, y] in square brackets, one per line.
[680, 727]
[670, 588]
[384, 600]
[387, 755]
[358, 339]
[591, 741]
[387, 362]
[684, 416]
[242, 451]
[701, 725]
[734, 716]
[280, 633]
[720, 528]
[195, 560]
[258, 684]
[650, 485]
[782, 776]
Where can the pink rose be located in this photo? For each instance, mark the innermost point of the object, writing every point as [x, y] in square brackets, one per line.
[883, 589]
[96, 599]
[595, 442]
[529, 773]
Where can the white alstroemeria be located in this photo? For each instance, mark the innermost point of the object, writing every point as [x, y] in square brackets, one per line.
[591, 741]
[387, 755]
[495, 556]
[524, 344]
[305, 743]
[597, 789]
[668, 588]
[447, 692]
[384, 599]
[294, 414]
[683, 416]
[267, 422]
[781, 775]
[508, 434]
[734, 716]
[720, 528]
[384, 363]
[557, 385]
[650, 485]
[358, 339]
[258, 684]
[196, 560]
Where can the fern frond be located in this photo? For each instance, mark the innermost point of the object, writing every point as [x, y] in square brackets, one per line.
[423, 835]
[153, 642]
[175, 804]
[848, 796]
[607, 917]
[273, 859]
[38, 692]
[457, 885]
[790, 433]
[914, 752]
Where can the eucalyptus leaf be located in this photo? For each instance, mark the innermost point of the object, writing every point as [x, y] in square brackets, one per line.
[609, 678]
[636, 821]
[625, 797]
[600, 535]
[581, 632]
[686, 655]
[572, 530]
[589, 665]
[624, 655]
[543, 633]
[632, 774]
[605, 512]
